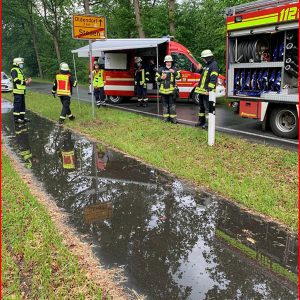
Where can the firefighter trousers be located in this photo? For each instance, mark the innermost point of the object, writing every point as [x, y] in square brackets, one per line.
[169, 107]
[19, 106]
[203, 108]
[141, 92]
[66, 111]
[99, 95]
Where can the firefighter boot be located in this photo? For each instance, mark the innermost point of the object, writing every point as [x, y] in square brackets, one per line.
[61, 121]
[201, 121]
[26, 120]
[19, 121]
[139, 103]
[173, 120]
[71, 117]
[205, 125]
[145, 104]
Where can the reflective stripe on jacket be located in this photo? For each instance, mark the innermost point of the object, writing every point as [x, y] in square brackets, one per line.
[98, 80]
[209, 78]
[167, 86]
[19, 84]
[141, 77]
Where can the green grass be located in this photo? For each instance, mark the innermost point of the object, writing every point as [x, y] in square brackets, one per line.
[262, 260]
[35, 262]
[263, 178]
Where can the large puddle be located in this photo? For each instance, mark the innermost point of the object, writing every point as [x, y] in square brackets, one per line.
[173, 241]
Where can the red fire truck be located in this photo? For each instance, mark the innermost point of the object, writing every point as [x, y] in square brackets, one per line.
[262, 63]
[119, 57]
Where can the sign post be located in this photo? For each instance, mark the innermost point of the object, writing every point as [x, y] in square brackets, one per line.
[89, 27]
[211, 118]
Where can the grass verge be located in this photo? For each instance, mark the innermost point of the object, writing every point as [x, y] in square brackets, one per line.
[35, 262]
[263, 178]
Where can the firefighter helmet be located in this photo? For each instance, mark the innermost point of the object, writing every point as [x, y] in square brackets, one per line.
[64, 67]
[137, 60]
[18, 60]
[168, 58]
[206, 53]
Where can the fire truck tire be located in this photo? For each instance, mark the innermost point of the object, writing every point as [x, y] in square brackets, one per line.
[115, 99]
[284, 122]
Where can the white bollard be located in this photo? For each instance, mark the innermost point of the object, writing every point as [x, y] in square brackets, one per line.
[212, 119]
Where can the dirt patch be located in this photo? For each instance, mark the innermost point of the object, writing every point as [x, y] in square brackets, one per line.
[110, 280]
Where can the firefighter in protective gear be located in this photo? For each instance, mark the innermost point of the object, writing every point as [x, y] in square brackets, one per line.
[68, 152]
[19, 89]
[98, 83]
[141, 78]
[166, 78]
[62, 86]
[22, 138]
[207, 83]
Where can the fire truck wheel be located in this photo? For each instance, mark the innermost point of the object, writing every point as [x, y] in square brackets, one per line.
[115, 99]
[284, 122]
[195, 98]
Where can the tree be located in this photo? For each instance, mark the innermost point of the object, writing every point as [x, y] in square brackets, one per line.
[172, 16]
[53, 14]
[138, 19]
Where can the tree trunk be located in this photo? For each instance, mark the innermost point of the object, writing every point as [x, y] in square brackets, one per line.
[139, 25]
[56, 46]
[86, 4]
[172, 16]
[37, 54]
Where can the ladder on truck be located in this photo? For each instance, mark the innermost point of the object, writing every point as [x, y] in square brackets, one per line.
[255, 6]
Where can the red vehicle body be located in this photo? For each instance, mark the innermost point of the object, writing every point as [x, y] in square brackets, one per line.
[257, 32]
[119, 66]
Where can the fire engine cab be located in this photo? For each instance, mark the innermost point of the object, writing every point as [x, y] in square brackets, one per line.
[262, 63]
[119, 57]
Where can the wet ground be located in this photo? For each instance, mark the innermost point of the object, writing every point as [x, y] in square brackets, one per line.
[226, 120]
[173, 241]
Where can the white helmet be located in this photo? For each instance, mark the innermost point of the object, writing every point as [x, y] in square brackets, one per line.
[64, 66]
[17, 61]
[206, 53]
[137, 60]
[168, 58]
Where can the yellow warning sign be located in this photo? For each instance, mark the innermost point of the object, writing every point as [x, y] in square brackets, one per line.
[87, 27]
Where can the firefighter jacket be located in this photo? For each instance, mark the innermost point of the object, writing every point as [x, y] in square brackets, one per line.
[167, 86]
[98, 78]
[141, 77]
[19, 81]
[63, 84]
[209, 78]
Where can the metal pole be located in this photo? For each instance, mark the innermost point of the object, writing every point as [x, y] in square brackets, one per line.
[91, 75]
[157, 91]
[76, 81]
[212, 118]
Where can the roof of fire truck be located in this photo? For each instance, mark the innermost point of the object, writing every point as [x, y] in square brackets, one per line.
[255, 6]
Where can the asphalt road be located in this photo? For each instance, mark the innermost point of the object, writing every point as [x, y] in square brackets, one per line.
[226, 120]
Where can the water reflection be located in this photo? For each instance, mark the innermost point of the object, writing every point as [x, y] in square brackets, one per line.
[173, 241]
